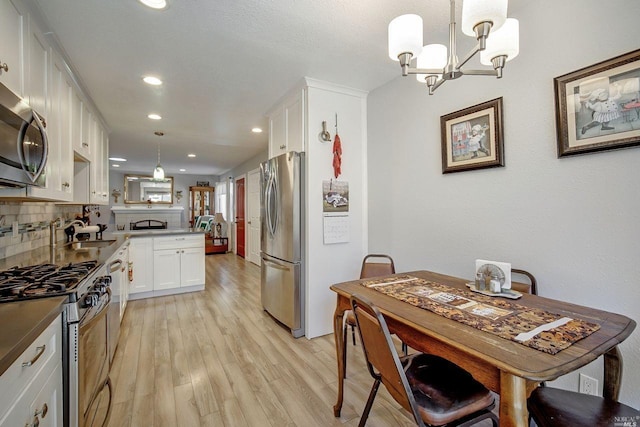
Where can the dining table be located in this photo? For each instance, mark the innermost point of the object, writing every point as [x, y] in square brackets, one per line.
[505, 366]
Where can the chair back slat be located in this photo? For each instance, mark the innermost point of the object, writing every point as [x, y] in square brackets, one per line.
[382, 265]
[530, 288]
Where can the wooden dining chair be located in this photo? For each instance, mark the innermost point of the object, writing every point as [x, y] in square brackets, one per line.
[530, 288]
[552, 407]
[434, 390]
[373, 265]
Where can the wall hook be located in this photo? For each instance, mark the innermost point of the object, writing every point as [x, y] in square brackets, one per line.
[336, 122]
[325, 136]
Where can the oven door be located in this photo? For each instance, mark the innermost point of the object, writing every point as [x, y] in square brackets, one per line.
[93, 360]
[99, 411]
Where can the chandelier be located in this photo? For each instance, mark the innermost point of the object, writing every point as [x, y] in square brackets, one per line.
[158, 172]
[480, 19]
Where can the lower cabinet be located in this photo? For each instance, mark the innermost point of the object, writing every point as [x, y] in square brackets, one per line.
[32, 394]
[166, 264]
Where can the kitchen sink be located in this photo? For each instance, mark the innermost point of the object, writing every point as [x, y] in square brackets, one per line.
[90, 244]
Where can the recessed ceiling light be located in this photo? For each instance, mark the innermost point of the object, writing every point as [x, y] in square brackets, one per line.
[152, 80]
[155, 4]
[191, 155]
[117, 159]
[115, 166]
[183, 170]
[154, 116]
[256, 130]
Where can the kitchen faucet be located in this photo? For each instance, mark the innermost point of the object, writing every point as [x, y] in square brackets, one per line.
[53, 227]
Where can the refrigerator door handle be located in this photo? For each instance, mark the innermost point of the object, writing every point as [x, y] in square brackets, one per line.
[275, 264]
[271, 196]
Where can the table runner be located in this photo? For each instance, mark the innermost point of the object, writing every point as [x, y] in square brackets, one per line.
[535, 328]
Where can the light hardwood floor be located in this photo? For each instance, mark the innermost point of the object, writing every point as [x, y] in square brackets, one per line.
[215, 358]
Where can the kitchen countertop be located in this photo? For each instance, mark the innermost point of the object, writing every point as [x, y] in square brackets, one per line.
[22, 322]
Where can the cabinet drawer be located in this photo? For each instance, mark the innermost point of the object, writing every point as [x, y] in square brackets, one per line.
[179, 241]
[44, 354]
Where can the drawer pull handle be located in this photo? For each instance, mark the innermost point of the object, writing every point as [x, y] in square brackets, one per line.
[40, 350]
[4, 67]
[42, 411]
[35, 423]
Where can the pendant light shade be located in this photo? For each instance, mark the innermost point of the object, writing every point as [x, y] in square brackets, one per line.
[433, 56]
[405, 36]
[158, 172]
[477, 11]
[504, 42]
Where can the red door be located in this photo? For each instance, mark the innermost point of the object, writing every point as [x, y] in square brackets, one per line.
[240, 223]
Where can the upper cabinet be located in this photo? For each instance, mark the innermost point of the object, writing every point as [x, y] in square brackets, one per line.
[13, 24]
[34, 70]
[286, 125]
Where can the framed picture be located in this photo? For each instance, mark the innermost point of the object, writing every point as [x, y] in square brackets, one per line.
[472, 138]
[598, 107]
[202, 183]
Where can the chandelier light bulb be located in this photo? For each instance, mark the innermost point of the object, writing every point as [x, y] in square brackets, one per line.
[504, 42]
[477, 11]
[405, 36]
[433, 56]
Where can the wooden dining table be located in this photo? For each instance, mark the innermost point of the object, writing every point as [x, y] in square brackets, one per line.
[507, 367]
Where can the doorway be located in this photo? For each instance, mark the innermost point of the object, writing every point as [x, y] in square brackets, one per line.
[240, 221]
[253, 213]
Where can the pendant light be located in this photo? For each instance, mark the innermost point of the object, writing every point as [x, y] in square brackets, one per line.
[158, 172]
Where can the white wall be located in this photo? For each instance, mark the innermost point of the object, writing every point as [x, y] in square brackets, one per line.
[329, 264]
[573, 222]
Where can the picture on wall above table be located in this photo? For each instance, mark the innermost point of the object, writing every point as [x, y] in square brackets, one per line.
[335, 196]
[598, 107]
[472, 138]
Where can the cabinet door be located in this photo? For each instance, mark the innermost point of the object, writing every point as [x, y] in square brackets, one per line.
[12, 31]
[277, 133]
[141, 258]
[166, 266]
[76, 126]
[105, 167]
[294, 109]
[47, 405]
[38, 71]
[192, 267]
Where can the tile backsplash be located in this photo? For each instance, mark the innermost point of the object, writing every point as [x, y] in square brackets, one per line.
[33, 224]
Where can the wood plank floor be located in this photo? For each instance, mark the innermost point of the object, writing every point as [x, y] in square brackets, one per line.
[215, 358]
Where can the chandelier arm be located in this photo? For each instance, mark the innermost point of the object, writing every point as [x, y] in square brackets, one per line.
[469, 55]
[480, 73]
[436, 86]
[424, 70]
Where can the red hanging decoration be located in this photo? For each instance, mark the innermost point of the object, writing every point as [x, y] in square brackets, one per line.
[337, 156]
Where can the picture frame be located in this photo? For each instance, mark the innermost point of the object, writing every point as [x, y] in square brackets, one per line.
[472, 138]
[598, 107]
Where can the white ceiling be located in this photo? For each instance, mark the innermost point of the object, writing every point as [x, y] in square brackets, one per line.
[224, 63]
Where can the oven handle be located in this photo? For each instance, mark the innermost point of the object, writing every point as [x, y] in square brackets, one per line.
[101, 313]
[106, 419]
[112, 266]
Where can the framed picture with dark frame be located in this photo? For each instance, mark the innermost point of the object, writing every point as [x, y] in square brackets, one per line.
[598, 107]
[472, 138]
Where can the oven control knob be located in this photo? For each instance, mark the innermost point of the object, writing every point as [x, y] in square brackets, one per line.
[91, 299]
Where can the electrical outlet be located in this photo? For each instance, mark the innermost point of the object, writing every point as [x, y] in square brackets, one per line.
[14, 229]
[588, 385]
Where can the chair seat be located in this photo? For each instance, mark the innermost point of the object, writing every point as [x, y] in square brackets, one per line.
[554, 407]
[443, 391]
[350, 318]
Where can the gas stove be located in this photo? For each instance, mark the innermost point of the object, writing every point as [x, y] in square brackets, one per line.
[43, 280]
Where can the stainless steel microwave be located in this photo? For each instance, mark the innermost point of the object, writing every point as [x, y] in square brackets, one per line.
[23, 143]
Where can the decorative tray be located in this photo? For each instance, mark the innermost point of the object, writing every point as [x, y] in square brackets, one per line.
[506, 293]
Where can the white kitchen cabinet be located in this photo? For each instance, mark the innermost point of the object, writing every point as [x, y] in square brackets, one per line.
[178, 261]
[38, 71]
[286, 125]
[25, 390]
[141, 265]
[13, 30]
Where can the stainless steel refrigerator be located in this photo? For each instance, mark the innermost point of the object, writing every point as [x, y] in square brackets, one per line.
[282, 220]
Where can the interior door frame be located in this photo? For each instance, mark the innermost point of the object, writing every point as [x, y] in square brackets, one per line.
[235, 211]
[249, 223]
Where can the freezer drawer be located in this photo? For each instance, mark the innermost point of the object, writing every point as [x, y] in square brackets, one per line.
[282, 293]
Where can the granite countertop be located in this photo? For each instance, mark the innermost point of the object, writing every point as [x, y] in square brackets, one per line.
[22, 322]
